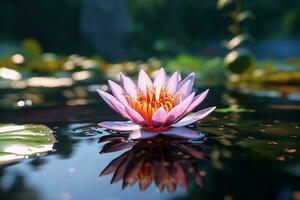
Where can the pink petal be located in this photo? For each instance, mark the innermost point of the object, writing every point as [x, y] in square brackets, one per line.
[141, 134]
[114, 103]
[197, 100]
[159, 117]
[179, 109]
[190, 77]
[179, 76]
[160, 79]
[183, 133]
[185, 87]
[128, 86]
[194, 117]
[157, 94]
[144, 81]
[120, 126]
[118, 92]
[134, 115]
[185, 90]
[173, 83]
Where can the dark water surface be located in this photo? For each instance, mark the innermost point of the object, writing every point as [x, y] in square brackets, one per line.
[252, 154]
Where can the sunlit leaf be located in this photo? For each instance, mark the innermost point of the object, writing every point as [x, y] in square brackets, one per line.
[245, 15]
[238, 60]
[222, 3]
[21, 141]
[237, 40]
[31, 48]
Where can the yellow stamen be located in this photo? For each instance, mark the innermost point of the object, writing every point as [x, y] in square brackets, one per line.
[146, 104]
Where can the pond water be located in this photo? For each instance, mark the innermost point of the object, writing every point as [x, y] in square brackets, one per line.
[252, 153]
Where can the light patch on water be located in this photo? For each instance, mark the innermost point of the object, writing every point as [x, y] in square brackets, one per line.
[10, 74]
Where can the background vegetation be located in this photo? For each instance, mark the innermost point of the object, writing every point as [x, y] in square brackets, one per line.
[158, 27]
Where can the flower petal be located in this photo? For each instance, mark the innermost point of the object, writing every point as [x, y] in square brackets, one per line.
[117, 91]
[159, 117]
[114, 103]
[128, 86]
[190, 77]
[194, 117]
[182, 132]
[185, 90]
[185, 87]
[172, 84]
[120, 125]
[134, 115]
[179, 76]
[197, 100]
[144, 81]
[179, 109]
[141, 134]
[157, 94]
[160, 79]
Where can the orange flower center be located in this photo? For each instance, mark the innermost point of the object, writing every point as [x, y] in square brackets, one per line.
[147, 103]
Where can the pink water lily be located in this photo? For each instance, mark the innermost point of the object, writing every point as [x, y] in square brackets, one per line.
[154, 106]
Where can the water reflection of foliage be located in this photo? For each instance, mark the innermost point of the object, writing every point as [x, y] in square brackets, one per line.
[17, 187]
[166, 162]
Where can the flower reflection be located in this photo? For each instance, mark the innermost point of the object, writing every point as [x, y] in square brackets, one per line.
[168, 162]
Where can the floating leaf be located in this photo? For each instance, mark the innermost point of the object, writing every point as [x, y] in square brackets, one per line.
[20, 141]
[233, 110]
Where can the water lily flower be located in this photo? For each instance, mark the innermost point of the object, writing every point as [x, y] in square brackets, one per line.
[153, 107]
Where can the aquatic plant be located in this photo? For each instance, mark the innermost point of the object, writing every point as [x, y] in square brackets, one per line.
[154, 106]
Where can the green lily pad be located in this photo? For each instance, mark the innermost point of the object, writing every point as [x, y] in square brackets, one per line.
[22, 141]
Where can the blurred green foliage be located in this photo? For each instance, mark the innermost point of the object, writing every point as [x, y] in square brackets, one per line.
[171, 26]
[271, 72]
[158, 26]
[172, 30]
[53, 23]
[238, 59]
[30, 61]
